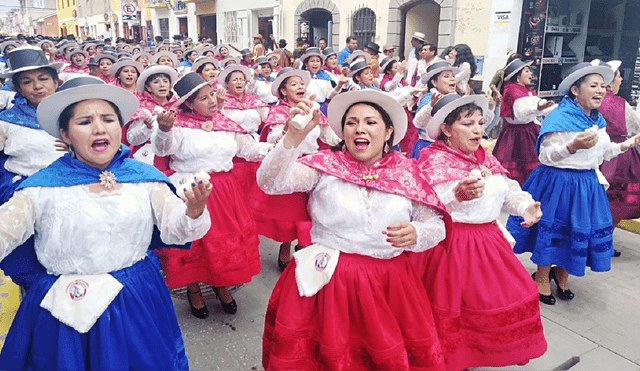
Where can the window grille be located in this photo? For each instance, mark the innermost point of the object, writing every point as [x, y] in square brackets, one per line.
[363, 26]
[230, 32]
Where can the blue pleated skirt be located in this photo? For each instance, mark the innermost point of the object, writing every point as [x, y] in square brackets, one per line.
[576, 226]
[417, 147]
[138, 330]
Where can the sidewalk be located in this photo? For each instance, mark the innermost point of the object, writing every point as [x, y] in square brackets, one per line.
[598, 330]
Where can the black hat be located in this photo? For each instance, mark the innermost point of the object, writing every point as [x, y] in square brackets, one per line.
[187, 85]
[328, 51]
[177, 37]
[158, 38]
[27, 58]
[373, 47]
[513, 68]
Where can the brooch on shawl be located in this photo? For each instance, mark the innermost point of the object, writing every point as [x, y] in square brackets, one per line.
[485, 171]
[107, 179]
[207, 126]
[370, 177]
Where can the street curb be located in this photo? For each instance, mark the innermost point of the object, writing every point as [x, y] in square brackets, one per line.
[631, 225]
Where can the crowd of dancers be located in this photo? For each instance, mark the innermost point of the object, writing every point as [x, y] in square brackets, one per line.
[119, 162]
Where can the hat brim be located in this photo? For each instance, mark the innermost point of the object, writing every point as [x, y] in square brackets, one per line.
[269, 56]
[229, 69]
[353, 72]
[197, 64]
[339, 105]
[142, 79]
[172, 56]
[605, 71]
[275, 85]
[386, 63]
[513, 73]
[433, 127]
[100, 57]
[51, 107]
[356, 54]
[55, 65]
[116, 66]
[183, 98]
[429, 75]
[71, 54]
[304, 56]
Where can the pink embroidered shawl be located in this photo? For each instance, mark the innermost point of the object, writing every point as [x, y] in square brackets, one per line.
[440, 163]
[387, 77]
[513, 91]
[278, 115]
[247, 101]
[72, 68]
[217, 122]
[612, 109]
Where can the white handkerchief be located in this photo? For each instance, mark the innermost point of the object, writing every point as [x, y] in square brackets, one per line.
[315, 265]
[506, 234]
[78, 300]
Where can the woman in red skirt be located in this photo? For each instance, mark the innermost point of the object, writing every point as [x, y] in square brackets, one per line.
[516, 144]
[484, 303]
[200, 139]
[622, 172]
[352, 301]
[284, 218]
[248, 111]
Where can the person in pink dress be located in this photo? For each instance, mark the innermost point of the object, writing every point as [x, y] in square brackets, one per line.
[199, 138]
[352, 300]
[484, 303]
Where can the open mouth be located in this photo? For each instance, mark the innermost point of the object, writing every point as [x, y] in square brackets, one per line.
[100, 145]
[361, 144]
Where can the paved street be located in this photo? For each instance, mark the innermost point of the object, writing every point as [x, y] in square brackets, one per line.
[598, 330]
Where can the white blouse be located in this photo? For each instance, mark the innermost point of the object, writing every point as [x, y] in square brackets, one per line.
[322, 90]
[554, 151]
[262, 89]
[249, 119]
[29, 150]
[195, 150]
[525, 110]
[345, 216]
[81, 232]
[500, 193]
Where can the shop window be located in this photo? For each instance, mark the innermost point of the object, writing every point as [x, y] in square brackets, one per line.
[364, 26]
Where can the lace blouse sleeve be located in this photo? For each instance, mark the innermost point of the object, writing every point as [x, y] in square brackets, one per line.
[264, 112]
[525, 109]
[328, 136]
[553, 148]
[166, 143]
[279, 172]
[276, 133]
[138, 133]
[429, 226]
[18, 217]
[250, 149]
[393, 84]
[516, 200]
[170, 216]
[631, 117]
[422, 117]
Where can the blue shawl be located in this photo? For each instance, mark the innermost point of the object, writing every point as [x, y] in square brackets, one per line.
[568, 116]
[262, 78]
[22, 113]
[322, 75]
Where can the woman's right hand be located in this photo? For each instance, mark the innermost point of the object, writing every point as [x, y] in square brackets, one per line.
[468, 189]
[295, 136]
[165, 120]
[197, 198]
[583, 141]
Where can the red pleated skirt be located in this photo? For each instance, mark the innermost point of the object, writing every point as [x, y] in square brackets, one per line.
[516, 149]
[282, 218]
[245, 173]
[228, 254]
[373, 315]
[623, 174]
[485, 304]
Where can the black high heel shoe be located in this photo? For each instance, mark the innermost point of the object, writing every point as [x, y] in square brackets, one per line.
[547, 299]
[562, 294]
[201, 313]
[230, 308]
[281, 264]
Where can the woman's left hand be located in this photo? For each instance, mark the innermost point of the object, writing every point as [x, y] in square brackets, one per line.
[490, 102]
[532, 215]
[401, 234]
[197, 198]
[631, 142]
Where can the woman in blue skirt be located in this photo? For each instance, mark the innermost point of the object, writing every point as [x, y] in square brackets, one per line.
[102, 303]
[575, 229]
